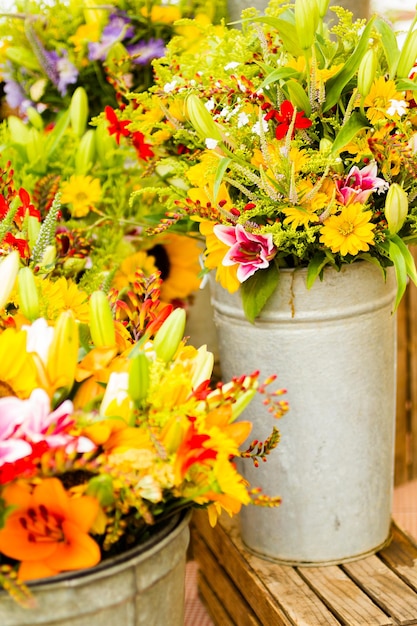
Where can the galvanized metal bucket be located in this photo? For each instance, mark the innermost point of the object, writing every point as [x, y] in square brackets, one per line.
[333, 348]
[143, 587]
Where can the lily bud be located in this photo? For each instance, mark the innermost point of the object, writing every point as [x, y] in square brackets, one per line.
[85, 155]
[48, 257]
[9, 268]
[201, 119]
[242, 402]
[34, 118]
[101, 488]
[326, 145]
[79, 111]
[323, 5]
[169, 336]
[366, 72]
[408, 55]
[34, 144]
[28, 294]
[306, 22]
[101, 321]
[63, 351]
[139, 378]
[172, 434]
[396, 207]
[19, 132]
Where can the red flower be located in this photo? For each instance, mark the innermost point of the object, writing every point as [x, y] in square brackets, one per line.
[116, 127]
[26, 207]
[21, 245]
[143, 149]
[284, 118]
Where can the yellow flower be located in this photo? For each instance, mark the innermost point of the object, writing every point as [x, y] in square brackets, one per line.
[63, 295]
[164, 15]
[125, 275]
[84, 34]
[214, 255]
[308, 210]
[17, 368]
[349, 232]
[378, 100]
[82, 193]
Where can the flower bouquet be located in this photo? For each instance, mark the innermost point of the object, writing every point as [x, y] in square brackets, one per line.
[50, 48]
[108, 427]
[290, 142]
[289, 145]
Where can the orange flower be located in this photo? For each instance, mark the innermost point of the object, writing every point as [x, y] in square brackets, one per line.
[48, 530]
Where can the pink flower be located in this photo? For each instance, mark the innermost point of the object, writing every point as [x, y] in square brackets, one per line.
[251, 252]
[359, 184]
[26, 422]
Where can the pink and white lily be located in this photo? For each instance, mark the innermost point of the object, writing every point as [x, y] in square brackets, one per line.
[251, 252]
[359, 184]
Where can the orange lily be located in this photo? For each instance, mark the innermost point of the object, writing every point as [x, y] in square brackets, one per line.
[48, 530]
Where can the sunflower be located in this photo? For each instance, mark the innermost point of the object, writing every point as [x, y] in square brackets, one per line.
[348, 232]
[177, 259]
[82, 194]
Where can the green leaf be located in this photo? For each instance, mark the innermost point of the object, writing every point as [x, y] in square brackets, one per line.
[408, 258]
[336, 84]
[389, 43]
[355, 123]
[315, 267]
[286, 30]
[23, 57]
[396, 256]
[222, 167]
[298, 96]
[57, 134]
[404, 84]
[257, 290]
[282, 73]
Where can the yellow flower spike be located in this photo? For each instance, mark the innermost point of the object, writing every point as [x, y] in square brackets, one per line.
[168, 338]
[201, 119]
[139, 378]
[63, 352]
[408, 55]
[366, 72]
[102, 329]
[28, 294]
[79, 111]
[86, 151]
[306, 22]
[396, 207]
[9, 268]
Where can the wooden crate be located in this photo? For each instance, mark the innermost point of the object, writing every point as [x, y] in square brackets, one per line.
[241, 589]
[406, 429]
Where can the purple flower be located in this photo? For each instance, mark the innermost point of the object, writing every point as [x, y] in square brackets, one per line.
[251, 252]
[144, 51]
[359, 184]
[117, 29]
[68, 74]
[15, 96]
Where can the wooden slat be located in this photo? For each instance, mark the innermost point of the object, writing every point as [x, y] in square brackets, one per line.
[213, 604]
[234, 563]
[227, 593]
[347, 601]
[383, 585]
[275, 592]
[401, 556]
[412, 374]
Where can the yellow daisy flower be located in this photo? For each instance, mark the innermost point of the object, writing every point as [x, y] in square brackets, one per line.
[350, 231]
[378, 100]
[82, 194]
[63, 295]
[308, 210]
